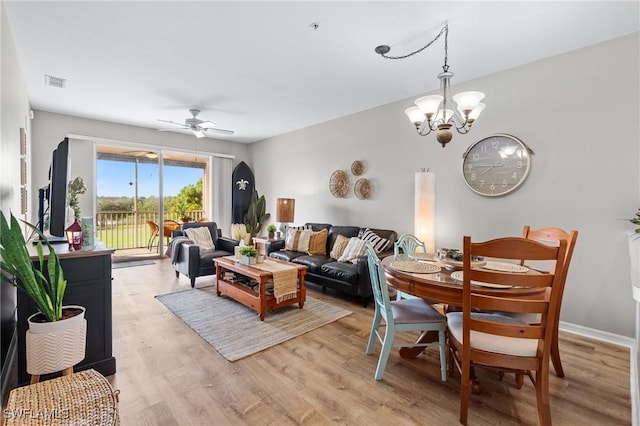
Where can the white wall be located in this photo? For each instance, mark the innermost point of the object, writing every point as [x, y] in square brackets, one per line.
[578, 112]
[50, 128]
[14, 109]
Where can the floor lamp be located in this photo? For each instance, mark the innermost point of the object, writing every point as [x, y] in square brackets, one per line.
[285, 209]
[425, 209]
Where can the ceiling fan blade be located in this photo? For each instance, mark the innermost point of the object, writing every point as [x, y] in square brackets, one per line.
[207, 124]
[173, 122]
[199, 133]
[223, 131]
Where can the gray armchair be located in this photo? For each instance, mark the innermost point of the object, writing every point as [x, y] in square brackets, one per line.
[187, 258]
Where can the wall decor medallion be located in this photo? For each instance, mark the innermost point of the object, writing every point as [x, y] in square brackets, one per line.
[496, 165]
[362, 188]
[339, 184]
[357, 167]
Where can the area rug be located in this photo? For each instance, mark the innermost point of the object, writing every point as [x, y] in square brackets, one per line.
[236, 331]
[129, 264]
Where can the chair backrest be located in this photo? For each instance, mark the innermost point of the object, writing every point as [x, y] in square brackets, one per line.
[153, 227]
[543, 290]
[554, 235]
[213, 228]
[407, 244]
[379, 284]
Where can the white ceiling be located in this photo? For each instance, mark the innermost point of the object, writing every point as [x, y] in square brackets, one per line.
[260, 69]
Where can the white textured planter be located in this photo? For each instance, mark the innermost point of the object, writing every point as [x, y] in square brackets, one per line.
[247, 260]
[55, 346]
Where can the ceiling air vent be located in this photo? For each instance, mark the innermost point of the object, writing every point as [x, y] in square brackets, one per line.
[50, 80]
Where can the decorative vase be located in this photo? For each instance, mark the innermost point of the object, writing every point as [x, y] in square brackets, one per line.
[271, 235]
[55, 346]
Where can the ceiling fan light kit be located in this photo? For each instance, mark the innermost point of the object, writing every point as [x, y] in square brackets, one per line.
[437, 113]
[196, 126]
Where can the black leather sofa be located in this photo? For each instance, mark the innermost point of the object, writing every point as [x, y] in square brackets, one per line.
[323, 270]
[186, 256]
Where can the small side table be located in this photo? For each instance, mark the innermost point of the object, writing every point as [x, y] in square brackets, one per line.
[262, 244]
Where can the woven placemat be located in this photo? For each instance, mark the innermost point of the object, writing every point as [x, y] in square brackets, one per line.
[84, 398]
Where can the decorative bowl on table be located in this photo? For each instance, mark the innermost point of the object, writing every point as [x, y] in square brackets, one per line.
[454, 259]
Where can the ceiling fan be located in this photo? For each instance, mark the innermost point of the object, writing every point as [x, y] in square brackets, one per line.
[197, 126]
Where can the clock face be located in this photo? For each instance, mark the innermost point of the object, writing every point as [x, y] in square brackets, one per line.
[496, 165]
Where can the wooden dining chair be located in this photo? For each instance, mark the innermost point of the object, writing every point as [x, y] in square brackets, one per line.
[407, 315]
[501, 342]
[154, 230]
[406, 245]
[554, 235]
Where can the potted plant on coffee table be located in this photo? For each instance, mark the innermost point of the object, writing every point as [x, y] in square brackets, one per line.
[56, 338]
[248, 255]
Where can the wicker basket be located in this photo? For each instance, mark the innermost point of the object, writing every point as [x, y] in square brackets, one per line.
[84, 398]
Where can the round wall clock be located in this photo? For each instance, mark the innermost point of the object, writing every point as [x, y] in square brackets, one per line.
[496, 165]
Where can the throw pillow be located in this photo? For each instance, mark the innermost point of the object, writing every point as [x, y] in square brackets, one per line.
[338, 246]
[298, 240]
[355, 248]
[201, 237]
[318, 242]
[378, 243]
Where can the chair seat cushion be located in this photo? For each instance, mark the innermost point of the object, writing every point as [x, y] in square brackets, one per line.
[341, 271]
[413, 311]
[490, 342]
[206, 257]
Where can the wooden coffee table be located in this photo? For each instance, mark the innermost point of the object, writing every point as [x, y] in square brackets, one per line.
[256, 298]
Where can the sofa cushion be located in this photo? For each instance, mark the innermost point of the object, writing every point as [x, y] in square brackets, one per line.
[201, 237]
[318, 242]
[313, 262]
[355, 248]
[286, 255]
[341, 271]
[298, 240]
[338, 246]
[378, 243]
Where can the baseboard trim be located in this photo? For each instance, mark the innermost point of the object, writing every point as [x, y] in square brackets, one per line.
[618, 340]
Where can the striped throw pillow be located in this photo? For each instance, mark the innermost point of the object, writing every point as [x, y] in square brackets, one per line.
[318, 242]
[355, 248]
[298, 240]
[378, 243]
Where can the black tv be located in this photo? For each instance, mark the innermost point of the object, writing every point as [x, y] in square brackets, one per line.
[58, 195]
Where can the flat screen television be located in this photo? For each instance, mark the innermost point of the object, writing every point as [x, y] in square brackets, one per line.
[55, 193]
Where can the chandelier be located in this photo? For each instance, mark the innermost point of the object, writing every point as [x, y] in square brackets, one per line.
[437, 113]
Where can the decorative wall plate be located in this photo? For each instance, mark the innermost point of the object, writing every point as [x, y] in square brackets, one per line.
[339, 184]
[362, 188]
[356, 168]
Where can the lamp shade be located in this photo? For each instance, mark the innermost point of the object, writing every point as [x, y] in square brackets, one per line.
[424, 215]
[285, 210]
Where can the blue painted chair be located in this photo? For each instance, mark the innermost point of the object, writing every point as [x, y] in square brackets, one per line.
[400, 316]
[407, 244]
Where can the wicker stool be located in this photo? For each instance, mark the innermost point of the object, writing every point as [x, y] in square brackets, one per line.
[84, 398]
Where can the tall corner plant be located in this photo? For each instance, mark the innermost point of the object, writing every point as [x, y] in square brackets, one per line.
[46, 286]
[255, 214]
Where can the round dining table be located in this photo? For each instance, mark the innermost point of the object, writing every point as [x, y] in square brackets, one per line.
[439, 287]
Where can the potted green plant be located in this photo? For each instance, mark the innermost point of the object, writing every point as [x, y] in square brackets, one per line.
[271, 229]
[255, 214]
[248, 255]
[56, 338]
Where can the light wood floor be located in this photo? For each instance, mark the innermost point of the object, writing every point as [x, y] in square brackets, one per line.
[168, 375]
